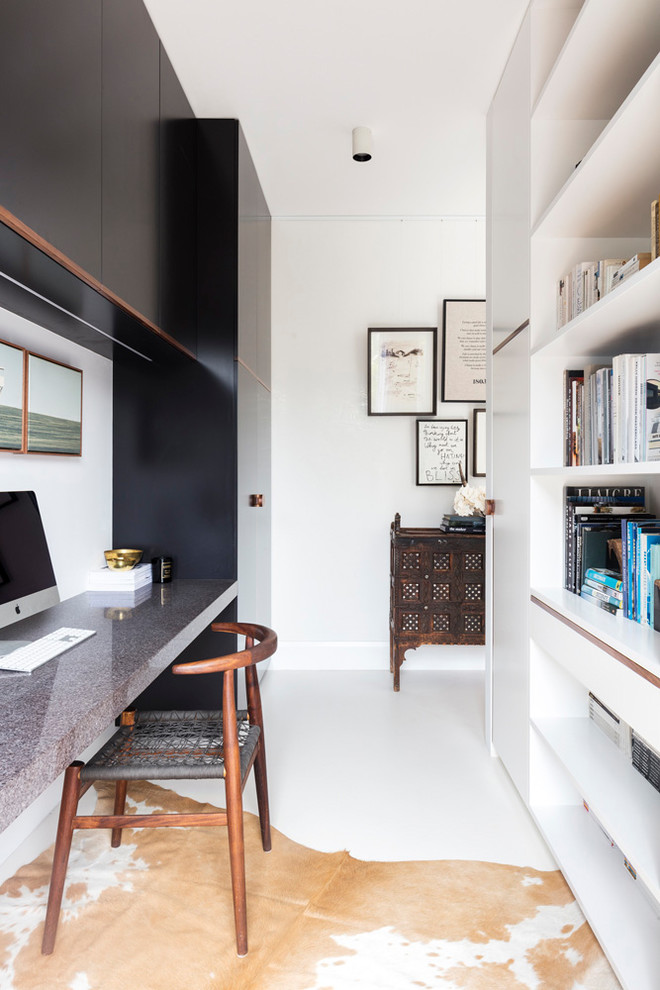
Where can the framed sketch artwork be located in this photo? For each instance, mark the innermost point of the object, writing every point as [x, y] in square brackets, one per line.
[12, 382]
[464, 350]
[441, 451]
[402, 371]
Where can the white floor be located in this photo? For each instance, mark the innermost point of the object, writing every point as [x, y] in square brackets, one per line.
[387, 776]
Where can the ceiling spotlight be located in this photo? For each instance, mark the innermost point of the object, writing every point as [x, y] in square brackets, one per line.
[363, 144]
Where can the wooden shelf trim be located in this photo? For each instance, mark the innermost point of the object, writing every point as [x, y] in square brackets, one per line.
[31, 236]
[514, 333]
[601, 644]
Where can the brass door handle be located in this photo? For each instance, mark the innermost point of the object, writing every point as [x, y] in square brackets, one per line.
[257, 501]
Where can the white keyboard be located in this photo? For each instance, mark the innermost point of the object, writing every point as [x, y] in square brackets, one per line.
[26, 658]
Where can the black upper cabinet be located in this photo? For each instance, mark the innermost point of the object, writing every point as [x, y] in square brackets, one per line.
[130, 112]
[50, 122]
[178, 208]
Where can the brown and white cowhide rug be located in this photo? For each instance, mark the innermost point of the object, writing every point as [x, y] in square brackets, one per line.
[156, 914]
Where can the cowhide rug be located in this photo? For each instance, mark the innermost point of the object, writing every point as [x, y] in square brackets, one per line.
[156, 914]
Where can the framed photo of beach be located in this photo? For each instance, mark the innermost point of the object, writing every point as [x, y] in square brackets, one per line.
[54, 407]
[12, 393]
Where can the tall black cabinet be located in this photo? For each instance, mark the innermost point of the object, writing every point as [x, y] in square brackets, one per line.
[160, 238]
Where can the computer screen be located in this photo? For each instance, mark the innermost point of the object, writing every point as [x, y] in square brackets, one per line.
[27, 579]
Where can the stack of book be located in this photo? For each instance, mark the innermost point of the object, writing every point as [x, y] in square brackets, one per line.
[589, 281]
[602, 587]
[612, 413]
[593, 520]
[463, 524]
[107, 587]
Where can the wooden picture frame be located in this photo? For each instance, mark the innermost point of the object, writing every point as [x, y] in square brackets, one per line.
[402, 371]
[464, 350]
[53, 407]
[442, 450]
[479, 443]
[12, 397]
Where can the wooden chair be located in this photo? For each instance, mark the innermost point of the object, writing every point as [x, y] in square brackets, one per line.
[179, 744]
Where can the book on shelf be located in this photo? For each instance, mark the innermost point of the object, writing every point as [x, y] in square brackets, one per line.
[655, 229]
[589, 281]
[601, 591]
[605, 577]
[611, 724]
[605, 606]
[637, 537]
[612, 413]
[625, 271]
[605, 507]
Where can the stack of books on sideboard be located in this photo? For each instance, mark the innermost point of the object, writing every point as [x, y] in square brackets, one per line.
[463, 524]
[612, 550]
[612, 411]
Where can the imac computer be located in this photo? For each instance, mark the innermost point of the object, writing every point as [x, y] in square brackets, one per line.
[27, 579]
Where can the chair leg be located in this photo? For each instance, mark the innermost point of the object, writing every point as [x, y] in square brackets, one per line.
[237, 861]
[120, 806]
[70, 794]
[261, 782]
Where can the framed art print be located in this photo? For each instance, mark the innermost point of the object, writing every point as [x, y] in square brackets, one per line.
[402, 371]
[479, 443]
[464, 350]
[12, 397]
[54, 407]
[441, 451]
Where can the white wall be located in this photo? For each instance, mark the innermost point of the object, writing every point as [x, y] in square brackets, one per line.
[340, 475]
[74, 493]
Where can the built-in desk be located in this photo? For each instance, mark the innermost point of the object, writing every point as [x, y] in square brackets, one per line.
[50, 716]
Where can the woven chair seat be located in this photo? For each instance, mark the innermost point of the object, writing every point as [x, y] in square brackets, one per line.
[170, 744]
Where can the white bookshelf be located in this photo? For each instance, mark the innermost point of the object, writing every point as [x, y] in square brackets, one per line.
[593, 158]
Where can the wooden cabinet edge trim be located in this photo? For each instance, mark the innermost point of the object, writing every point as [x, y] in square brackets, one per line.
[11, 221]
[616, 654]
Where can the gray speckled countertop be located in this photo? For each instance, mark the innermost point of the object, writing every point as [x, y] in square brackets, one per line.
[51, 715]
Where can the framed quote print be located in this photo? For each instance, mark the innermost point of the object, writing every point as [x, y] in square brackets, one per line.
[464, 350]
[402, 371]
[441, 451]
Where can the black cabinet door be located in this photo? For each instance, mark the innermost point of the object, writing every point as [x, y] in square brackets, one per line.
[50, 122]
[131, 53]
[178, 207]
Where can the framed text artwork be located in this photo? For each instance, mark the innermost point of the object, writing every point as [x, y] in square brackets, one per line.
[12, 390]
[402, 371]
[464, 350]
[441, 451]
[479, 443]
[54, 407]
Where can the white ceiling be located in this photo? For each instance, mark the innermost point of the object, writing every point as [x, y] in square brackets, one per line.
[301, 74]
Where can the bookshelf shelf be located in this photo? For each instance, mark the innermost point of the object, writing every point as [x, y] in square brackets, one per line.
[603, 57]
[595, 871]
[606, 779]
[626, 319]
[591, 73]
[610, 192]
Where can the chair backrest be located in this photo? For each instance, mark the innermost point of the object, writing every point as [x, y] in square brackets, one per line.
[260, 643]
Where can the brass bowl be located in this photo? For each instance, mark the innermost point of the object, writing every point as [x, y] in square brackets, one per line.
[122, 560]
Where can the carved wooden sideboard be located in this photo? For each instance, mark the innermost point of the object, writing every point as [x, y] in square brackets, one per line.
[437, 593]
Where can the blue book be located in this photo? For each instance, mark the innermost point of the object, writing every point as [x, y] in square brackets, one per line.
[604, 576]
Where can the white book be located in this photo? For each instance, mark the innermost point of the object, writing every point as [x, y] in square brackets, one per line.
[105, 578]
[652, 408]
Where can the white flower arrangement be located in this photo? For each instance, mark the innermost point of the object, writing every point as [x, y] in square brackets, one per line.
[470, 501]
